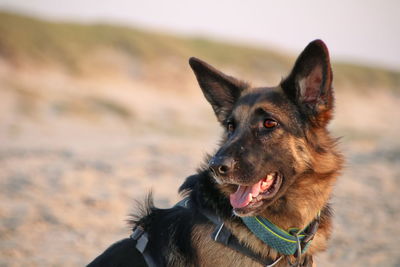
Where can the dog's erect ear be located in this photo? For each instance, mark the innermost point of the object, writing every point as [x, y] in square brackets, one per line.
[309, 85]
[222, 91]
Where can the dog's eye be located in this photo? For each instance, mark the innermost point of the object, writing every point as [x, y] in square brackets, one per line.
[230, 127]
[270, 123]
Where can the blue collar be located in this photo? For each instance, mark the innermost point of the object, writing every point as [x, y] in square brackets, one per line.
[285, 242]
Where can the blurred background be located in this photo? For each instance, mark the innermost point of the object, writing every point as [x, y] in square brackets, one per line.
[98, 106]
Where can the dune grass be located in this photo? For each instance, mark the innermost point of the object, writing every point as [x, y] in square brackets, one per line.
[24, 38]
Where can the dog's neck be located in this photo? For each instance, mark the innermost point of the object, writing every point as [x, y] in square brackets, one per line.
[298, 208]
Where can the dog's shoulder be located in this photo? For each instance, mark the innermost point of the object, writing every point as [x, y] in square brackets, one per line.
[170, 229]
[121, 253]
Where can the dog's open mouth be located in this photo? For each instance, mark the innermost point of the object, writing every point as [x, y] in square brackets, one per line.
[253, 195]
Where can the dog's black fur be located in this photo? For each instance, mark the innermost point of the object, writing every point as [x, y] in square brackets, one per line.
[279, 130]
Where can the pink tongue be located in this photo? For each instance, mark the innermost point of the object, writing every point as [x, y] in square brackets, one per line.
[241, 197]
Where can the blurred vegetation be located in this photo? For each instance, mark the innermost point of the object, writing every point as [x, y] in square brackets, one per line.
[26, 39]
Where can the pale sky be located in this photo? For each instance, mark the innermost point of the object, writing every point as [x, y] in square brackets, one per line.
[358, 30]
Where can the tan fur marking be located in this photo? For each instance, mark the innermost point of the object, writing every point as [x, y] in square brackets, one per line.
[211, 253]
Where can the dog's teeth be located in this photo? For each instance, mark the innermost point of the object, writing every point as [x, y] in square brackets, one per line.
[270, 177]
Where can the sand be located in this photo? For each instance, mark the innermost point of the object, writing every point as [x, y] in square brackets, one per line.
[75, 153]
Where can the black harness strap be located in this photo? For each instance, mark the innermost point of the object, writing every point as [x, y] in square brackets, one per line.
[141, 238]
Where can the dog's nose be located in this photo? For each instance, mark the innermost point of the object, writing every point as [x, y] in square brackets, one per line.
[221, 166]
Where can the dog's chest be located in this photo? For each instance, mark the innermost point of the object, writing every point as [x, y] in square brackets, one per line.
[211, 253]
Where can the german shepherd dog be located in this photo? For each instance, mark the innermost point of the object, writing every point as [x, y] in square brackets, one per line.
[268, 185]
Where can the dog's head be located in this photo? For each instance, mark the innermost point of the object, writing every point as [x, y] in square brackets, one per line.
[272, 134]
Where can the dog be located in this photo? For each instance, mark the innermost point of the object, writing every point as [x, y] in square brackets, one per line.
[263, 198]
